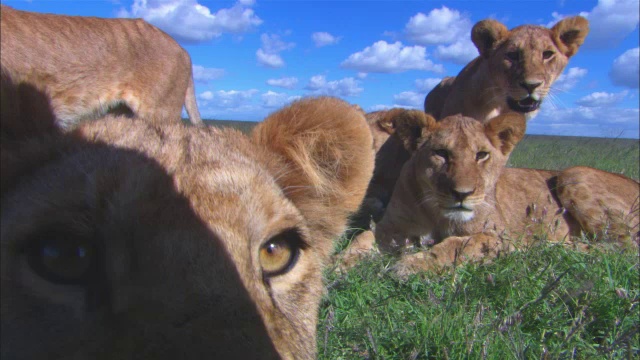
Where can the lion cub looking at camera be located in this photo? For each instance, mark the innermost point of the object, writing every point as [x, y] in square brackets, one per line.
[514, 72]
[129, 240]
[455, 191]
[92, 66]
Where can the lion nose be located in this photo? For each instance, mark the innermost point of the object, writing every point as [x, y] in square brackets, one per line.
[460, 195]
[530, 85]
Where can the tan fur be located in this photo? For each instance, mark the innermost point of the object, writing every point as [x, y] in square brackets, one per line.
[482, 89]
[455, 191]
[91, 66]
[175, 219]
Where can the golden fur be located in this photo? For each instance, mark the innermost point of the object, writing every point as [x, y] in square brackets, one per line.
[456, 192]
[514, 72]
[127, 239]
[91, 66]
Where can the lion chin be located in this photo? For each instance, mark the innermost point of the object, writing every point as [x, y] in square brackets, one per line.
[458, 214]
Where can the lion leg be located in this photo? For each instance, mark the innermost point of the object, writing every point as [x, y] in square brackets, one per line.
[452, 251]
[609, 213]
[361, 246]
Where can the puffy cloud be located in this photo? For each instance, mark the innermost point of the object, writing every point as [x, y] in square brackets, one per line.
[324, 38]
[273, 99]
[319, 85]
[625, 70]
[426, 85]
[460, 52]
[602, 99]
[610, 21]
[269, 54]
[286, 82]
[569, 78]
[586, 121]
[227, 99]
[383, 57]
[440, 26]
[409, 99]
[187, 20]
[203, 74]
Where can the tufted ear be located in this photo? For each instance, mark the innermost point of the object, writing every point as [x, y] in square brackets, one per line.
[569, 34]
[323, 158]
[412, 126]
[486, 33]
[506, 130]
[385, 122]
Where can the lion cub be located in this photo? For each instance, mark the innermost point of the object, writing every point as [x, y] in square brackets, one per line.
[514, 72]
[91, 66]
[455, 191]
[129, 240]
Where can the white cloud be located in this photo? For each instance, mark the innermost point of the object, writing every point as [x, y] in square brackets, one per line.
[410, 99]
[227, 99]
[269, 54]
[426, 85]
[440, 26]
[610, 22]
[324, 38]
[460, 52]
[383, 57]
[286, 82]
[625, 70]
[203, 74]
[569, 78]
[187, 20]
[586, 121]
[319, 85]
[361, 75]
[273, 99]
[601, 99]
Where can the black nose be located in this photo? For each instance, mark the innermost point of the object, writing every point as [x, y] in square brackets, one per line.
[460, 196]
[530, 86]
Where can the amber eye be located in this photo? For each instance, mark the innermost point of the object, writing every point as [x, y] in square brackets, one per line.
[280, 253]
[65, 260]
[548, 54]
[441, 153]
[513, 56]
[482, 155]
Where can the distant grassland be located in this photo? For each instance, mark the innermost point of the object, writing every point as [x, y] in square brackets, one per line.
[548, 152]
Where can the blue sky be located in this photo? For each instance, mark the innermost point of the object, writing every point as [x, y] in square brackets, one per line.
[251, 57]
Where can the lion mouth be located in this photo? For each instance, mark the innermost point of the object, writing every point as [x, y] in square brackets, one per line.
[525, 105]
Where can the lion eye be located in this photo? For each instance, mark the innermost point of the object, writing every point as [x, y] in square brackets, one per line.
[548, 54]
[280, 253]
[513, 56]
[65, 260]
[482, 155]
[441, 153]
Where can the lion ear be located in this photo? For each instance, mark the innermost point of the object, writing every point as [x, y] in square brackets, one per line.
[506, 130]
[412, 126]
[569, 34]
[486, 33]
[320, 152]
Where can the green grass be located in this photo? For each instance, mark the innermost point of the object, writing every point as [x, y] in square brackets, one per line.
[545, 302]
[559, 152]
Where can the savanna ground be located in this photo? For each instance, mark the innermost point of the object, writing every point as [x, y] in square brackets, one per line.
[542, 302]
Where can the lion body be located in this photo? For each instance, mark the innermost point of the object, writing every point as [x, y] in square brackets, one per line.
[92, 66]
[178, 241]
[455, 191]
[514, 72]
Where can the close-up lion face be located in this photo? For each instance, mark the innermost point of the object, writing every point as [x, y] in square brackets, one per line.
[457, 161]
[128, 240]
[525, 62]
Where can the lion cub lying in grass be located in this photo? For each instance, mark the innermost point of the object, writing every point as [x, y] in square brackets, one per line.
[456, 192]
[129, 240]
